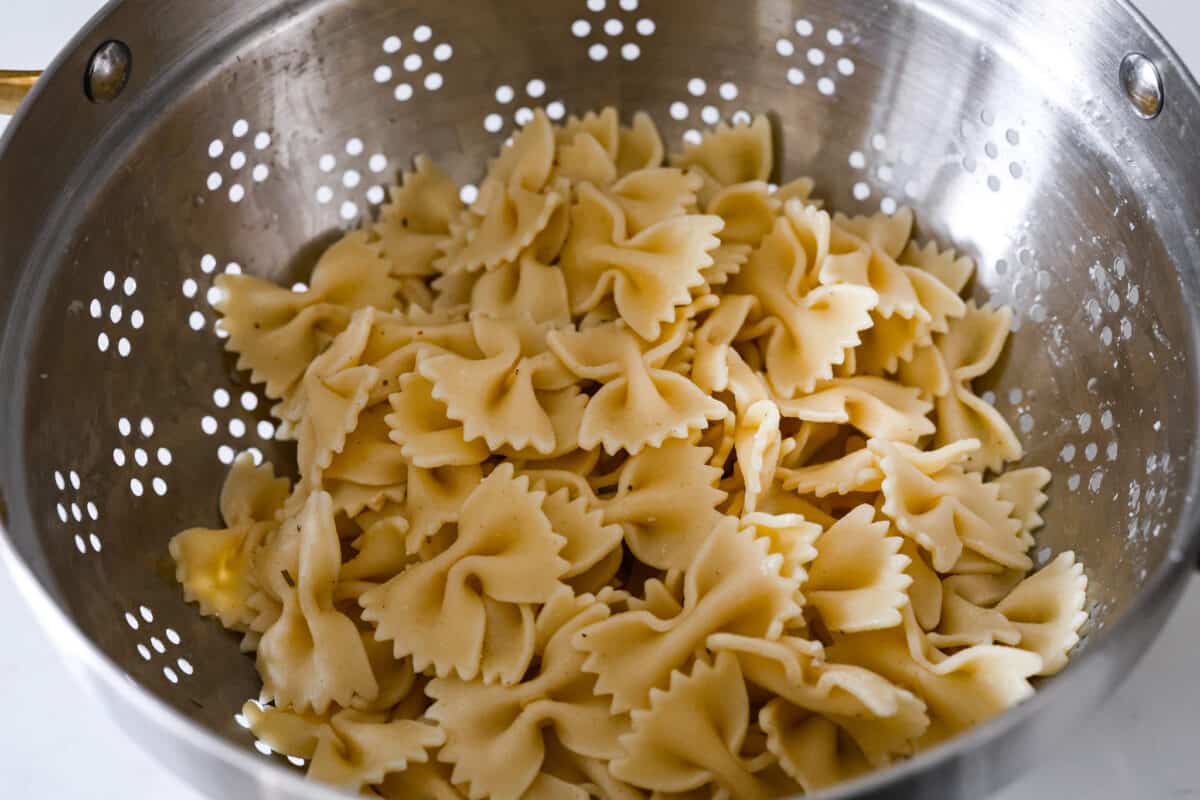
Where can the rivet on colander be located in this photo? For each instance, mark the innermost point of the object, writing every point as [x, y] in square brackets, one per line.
[1143, 85]
[108, 72]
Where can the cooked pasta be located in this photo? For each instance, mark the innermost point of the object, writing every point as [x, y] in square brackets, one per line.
[638, 477]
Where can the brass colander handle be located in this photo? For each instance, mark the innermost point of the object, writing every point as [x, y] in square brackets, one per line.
[14, 85]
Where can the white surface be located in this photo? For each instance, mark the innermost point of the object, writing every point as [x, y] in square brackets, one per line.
[55, 743]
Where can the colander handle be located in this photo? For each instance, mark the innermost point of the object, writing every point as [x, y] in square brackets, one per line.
[14, 85]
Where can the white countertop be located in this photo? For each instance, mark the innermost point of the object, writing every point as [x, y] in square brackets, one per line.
[1142, 744]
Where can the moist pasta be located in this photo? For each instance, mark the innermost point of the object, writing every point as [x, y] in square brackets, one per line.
[637, 477]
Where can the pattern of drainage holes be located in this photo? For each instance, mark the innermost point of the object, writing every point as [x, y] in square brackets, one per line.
[1094, 447]
[1019, 272]
[1091, 444]
[809, 59]
[881, 166]
[1115, 295]
[76, 512]
[1082, 461]
[988, 151]
[109, 312]
[615, 29]
[518, 103]
[235, 157]
[403, 66]
[1017, 406]
[708, 105]
[139, 455]
[259, 744]
[346, 175]
[202, 293]
[177, 667]
[231, 429]
[1143, 502]
[1109, 305]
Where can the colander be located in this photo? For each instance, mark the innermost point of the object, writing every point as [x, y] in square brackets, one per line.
[175, 140]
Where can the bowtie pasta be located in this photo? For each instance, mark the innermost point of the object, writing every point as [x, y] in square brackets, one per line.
[627, 480]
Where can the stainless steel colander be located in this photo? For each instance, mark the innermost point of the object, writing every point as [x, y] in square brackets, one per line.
[1054, 140]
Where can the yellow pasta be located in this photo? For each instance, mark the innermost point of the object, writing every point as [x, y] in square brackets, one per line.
[350, 749]
[692, 733]
[312, 656]
[417, 220]
[637, 478]
[515, 204]
[647, 274]
[214, 566]
[496, 734]
[276, 333]
[804, 333]
[732, 586]
[469, 609]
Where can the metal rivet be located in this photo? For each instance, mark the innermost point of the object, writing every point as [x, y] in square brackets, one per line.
[1143, 85]
[108, 72]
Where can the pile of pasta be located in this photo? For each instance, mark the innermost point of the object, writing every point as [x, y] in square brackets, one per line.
[625, 481]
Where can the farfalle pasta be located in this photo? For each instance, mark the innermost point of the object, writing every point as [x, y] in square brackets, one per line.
[505, 395]
[648, 274]
[803, 332]
[639, 477]
[730, 587]
[504, 560]
[641, 403]
[516, 202]
[215, 566]
[312, 655]
[496, 734]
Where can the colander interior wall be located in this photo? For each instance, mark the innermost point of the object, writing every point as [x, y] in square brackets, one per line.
[264, 137]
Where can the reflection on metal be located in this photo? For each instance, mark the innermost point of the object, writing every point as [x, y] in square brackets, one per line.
[108, 72]
[1143, 85]
[14, 85]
